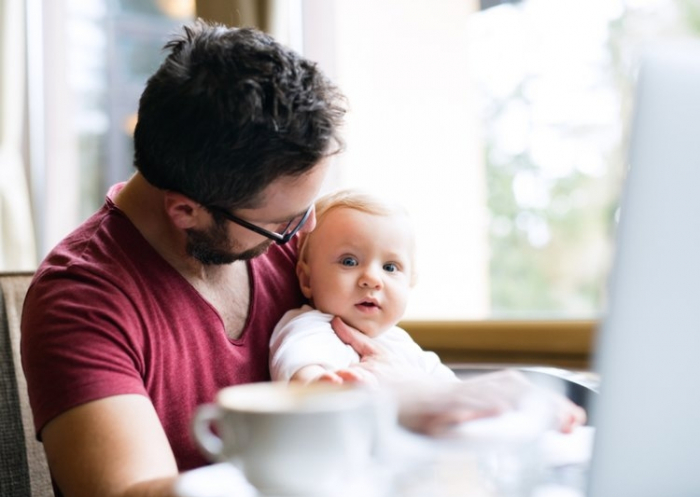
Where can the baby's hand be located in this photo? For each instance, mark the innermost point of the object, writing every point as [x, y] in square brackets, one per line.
[315, 373]
[357, 375]
[327, 376]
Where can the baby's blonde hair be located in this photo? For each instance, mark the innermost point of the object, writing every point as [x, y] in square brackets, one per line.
[351, 198]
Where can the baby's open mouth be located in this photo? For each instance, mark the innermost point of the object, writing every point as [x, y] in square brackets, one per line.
[368, 304]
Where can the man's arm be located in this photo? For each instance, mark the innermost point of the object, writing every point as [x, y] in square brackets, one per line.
[113, 447]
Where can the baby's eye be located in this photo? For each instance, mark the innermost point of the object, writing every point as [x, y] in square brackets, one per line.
[390, 267]
[348, 261]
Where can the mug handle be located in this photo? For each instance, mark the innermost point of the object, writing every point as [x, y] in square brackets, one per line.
[207, 441]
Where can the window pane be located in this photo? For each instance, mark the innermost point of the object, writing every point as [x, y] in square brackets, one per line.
[504, 132]
[113, 47]
[176, 9]
[502, 129]
[552, 117]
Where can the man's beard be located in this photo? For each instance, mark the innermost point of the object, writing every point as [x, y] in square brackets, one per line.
[214, 247]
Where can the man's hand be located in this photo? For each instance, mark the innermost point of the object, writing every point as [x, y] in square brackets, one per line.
[435, 407]
[377, 363]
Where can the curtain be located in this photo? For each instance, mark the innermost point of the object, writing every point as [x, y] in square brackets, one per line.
[17, 242]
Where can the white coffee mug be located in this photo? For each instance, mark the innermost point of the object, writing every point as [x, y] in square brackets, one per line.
[291, 439]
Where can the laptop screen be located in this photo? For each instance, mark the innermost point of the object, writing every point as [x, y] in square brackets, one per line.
[647, 416]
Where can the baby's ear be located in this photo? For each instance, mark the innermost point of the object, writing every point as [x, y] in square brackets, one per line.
[304, 278]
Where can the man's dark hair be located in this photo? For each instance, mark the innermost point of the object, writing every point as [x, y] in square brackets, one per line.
[229, 111]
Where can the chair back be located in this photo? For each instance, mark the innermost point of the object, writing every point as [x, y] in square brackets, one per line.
[23, 468]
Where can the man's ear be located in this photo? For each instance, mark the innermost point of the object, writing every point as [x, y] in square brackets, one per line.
[304, 278]
[184, 212]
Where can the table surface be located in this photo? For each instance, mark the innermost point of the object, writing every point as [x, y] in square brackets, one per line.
[485, 459]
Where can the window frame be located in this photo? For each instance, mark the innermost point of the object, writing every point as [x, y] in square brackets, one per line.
[558, 343]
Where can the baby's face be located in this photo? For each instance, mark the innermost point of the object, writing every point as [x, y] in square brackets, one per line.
[359, 267]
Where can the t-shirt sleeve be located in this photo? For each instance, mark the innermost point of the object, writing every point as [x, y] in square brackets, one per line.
[75, 350]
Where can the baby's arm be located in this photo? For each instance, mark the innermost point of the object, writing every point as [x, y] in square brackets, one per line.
[304, 348]
[313, 373]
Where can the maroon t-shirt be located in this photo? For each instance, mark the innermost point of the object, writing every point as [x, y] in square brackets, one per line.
[106, 315]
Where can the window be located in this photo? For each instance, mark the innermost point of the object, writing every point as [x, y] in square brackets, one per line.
[502, 129]
[504, 132]
[89, 64]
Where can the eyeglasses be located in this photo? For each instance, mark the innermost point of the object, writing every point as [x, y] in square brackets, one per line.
[281, 238]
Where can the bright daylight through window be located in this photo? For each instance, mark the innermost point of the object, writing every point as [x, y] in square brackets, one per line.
[502, 129]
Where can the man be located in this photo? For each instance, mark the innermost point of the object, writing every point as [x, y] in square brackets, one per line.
[171, 290]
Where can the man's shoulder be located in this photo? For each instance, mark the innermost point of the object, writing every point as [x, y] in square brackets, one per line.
[104, 256]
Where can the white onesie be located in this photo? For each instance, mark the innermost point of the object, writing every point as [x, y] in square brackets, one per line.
[304, 336]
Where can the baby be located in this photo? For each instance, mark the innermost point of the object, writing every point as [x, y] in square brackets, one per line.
[358, 264]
